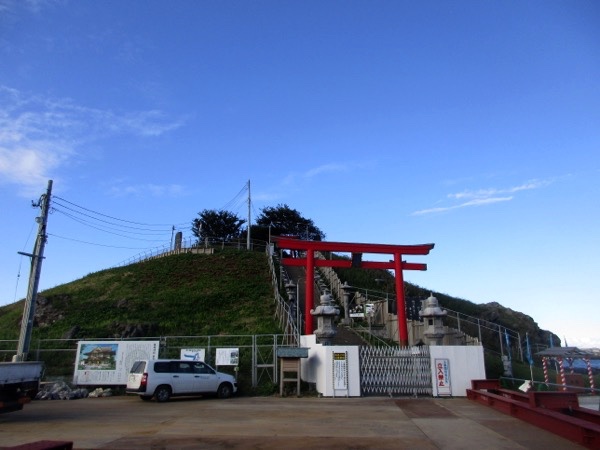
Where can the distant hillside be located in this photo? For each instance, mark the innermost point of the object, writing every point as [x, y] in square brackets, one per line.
[492, 313]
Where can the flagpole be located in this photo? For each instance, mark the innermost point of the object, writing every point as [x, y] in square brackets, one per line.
[529, 358]
[531, 372]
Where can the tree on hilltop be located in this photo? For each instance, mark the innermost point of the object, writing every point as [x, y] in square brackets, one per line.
[285, 221]
[217, 225]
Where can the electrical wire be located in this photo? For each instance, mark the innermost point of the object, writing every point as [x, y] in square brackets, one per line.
[106, 221]
[89, 224]
[128, 229]
[21, 262]
[112, 232]
[236, 200]
[116, 218]
[96, 244]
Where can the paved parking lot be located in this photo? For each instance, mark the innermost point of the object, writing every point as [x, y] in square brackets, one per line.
[125, 422]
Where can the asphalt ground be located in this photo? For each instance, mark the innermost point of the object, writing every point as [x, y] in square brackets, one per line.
[126, 422]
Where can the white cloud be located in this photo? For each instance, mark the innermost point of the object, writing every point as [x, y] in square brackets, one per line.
[325, 168]
[34, 6]
[28, 166]
[155, 190]
[485, 193]
[291, 178]
[39, 136]
[477, 202]
[483, 197]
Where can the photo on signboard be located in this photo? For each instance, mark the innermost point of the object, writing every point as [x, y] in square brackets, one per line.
[97, 356]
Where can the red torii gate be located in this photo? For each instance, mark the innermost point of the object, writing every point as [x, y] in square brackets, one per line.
[357, 250]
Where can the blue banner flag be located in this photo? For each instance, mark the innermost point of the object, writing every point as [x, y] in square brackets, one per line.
[507, 343]
[529, 358]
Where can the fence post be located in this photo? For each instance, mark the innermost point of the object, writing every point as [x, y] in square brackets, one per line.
[208, 351]
[275, 377]
[254, 362]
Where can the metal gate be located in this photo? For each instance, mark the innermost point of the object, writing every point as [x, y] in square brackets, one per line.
[395, 370]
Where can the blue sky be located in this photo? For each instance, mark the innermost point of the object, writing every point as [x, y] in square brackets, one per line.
[474, 125]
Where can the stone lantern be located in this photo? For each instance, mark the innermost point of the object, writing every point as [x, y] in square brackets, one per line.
[346, 291]
[325, 313]
[291, 289]
[433, 317]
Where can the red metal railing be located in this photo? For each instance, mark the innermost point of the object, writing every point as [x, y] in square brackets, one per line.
[557, 412]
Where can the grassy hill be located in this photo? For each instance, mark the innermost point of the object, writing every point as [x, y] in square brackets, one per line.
[228, 292]
[225, 293]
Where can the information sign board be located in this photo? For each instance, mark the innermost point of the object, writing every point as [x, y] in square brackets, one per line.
[192, 354]
[442, 376]
[228, 357]
[340, 370]
[109, 362]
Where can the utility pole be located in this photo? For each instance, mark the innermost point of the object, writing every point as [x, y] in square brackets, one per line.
[249, 218]
[34, 276]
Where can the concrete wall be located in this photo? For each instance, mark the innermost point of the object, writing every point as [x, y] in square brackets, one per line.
[452, 368]
[463, 362]
[326, 372]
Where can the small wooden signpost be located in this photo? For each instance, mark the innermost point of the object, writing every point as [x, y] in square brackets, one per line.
[289, 362]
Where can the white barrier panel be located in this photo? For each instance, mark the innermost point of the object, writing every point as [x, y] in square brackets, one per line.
[453, 367]
[335, 369]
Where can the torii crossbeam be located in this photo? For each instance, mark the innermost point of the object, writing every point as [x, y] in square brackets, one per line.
[357, 249]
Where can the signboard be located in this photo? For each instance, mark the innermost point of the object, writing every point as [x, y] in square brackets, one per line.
[192, 354]
[227, 357]
[362, 311]
[109, 362]
[442, 376]
[340, 370]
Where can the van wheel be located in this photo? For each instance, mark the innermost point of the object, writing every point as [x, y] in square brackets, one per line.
[146, 397]
[225, 390]
[162, 393]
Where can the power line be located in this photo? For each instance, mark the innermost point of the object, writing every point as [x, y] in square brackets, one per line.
[256, 213]
[96, 244]
[236, 201]
[21, 261]
[127, 229]
[117, 226]
[89, 224]
[116, 218]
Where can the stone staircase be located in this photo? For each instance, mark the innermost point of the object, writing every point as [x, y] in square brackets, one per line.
[345, 335]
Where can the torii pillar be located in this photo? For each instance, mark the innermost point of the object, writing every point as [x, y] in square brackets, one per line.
[357, 250]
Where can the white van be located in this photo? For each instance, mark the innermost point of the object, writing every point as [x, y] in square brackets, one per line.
[164, 378]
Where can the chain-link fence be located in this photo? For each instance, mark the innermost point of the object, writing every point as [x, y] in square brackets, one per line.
[256, 372]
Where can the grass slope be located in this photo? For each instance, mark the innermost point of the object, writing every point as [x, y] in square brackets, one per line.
[225, 293]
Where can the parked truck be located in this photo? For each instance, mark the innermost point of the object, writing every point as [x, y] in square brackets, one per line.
[19, 382]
